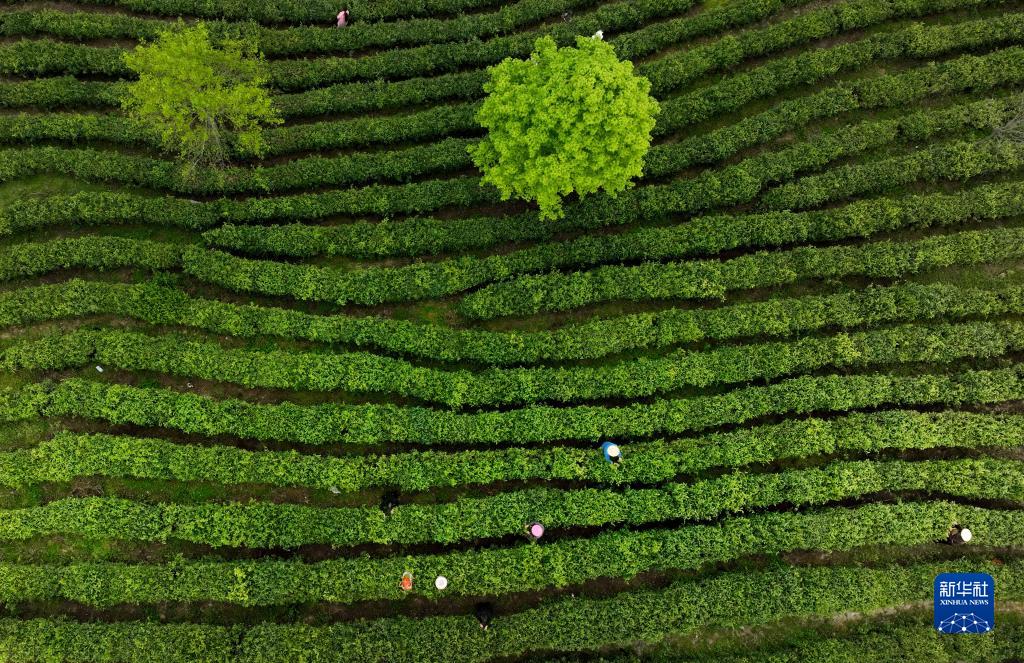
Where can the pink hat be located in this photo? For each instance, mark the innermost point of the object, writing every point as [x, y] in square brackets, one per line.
[537, 530]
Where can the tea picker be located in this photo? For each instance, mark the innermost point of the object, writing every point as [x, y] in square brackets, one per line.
[611, 452]
[959, 535]
[342, 18]
[535, 530]
[406, 583]
[388, 502]
[441, 583]
[484, 614]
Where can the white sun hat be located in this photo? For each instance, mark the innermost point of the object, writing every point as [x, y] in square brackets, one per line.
[613, 450]
[441, 582]
[966, 535]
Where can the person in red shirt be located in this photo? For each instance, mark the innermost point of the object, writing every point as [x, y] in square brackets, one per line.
[406, 583]
[342, 18]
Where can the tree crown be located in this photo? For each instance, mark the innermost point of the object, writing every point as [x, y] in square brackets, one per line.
[191, 91]
[565, 120]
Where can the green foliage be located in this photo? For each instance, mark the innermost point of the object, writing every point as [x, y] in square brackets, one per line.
[159, 305]
[636, 378]
[192, 91]
[566, 120]
[373, 424]
[67, 456]
[275, 525]
[499, 570]
[712, 279]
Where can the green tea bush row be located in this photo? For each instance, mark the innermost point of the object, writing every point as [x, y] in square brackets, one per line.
[159, 305]
[310, 172]
[949, 161]
[368, 424]
[700, 235]
[94, 252]
[61, 92]
[914, 41]
[647, 376]
[107, 207]
[290, 11]
[679, 68]
[302, 40]
[567, 624]
[274, 525]
[497, 571]
[68, 456]
[710, 279]
[295, 40]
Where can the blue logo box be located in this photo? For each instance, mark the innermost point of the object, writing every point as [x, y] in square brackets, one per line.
[965, 603]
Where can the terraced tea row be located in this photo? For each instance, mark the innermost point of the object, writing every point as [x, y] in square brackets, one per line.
[647, 615]
[68, 456]
[497, 571]
[371, 424]
[367, 373]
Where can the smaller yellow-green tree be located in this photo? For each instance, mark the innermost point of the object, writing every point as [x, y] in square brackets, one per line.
[192, 92]
[566, 120]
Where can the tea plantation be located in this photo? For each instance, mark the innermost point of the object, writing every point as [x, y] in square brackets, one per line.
[238, 408]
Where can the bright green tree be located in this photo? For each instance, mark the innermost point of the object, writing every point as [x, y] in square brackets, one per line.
[192, 92]
[568, 119]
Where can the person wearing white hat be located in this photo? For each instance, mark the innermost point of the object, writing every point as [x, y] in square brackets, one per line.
[611, 452]
[959, 535]
[441, 582]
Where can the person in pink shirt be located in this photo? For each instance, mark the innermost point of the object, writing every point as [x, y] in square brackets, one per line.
[342, 18]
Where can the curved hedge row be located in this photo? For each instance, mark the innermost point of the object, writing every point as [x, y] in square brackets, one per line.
[296, 40]
[708, 279]
[381, 424]
[699, 235]
[637, 616]
[94, 252]
[497, 571]
[289, 11]
[300, 40]
[949, 161]
[646, 376]
[273, 525]
[914, 41]
[67, 455]
[315, 171]
[160, 305]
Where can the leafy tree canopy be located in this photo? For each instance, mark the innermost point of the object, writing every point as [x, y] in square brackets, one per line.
[565, 120]
[192, 91]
